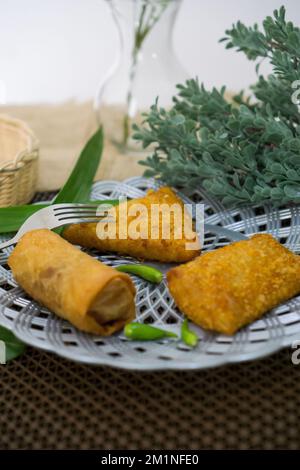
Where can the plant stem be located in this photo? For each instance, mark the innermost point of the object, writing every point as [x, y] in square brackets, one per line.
[141, 32]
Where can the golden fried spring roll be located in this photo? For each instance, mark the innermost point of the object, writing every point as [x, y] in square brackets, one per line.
[226, 289]
[172, 249]
[92, 296]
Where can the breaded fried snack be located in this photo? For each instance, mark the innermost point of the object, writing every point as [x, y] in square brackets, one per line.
[92, 296]
[168, 238]
[228, 288]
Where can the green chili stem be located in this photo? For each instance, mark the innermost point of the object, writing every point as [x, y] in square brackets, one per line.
[142, 270]
[188, 336]
[141, 332]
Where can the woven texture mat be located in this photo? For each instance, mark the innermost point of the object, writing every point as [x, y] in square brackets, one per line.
[49, 402]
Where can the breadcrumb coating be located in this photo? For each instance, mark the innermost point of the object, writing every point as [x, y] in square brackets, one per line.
[160, 249]
[89, 294]
[228, 288]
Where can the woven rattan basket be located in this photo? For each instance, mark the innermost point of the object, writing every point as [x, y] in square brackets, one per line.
[18, 162]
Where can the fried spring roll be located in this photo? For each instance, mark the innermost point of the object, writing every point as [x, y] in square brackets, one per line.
[92, 296]
[228, 288]
[182, 244]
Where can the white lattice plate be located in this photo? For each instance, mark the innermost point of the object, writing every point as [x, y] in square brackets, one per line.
[38, 327]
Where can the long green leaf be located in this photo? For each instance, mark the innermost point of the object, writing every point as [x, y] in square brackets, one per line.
[11, 218]
[78, 186]
[13, 346]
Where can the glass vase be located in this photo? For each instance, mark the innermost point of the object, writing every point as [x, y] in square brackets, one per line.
[146, 69]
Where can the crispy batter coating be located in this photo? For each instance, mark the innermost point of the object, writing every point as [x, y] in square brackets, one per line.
[92, 296]
[160, 249]
[228, 288]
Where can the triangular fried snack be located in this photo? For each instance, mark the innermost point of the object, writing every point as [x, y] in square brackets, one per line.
[155, 227]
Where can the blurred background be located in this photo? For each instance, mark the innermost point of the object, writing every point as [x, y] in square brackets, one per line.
[56, 54]
[52, 51]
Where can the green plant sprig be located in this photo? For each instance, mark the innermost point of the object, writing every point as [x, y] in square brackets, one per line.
[150, 13]
[241, 151]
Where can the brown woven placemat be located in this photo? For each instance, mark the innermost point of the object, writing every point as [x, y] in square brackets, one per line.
[49, 402]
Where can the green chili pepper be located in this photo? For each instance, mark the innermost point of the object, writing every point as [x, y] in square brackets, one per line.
[141, 332]
[143, 271]
[188, 336]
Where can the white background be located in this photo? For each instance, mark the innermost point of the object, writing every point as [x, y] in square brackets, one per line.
[53, 50]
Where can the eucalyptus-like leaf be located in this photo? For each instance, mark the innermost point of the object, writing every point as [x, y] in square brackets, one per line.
[241, 151]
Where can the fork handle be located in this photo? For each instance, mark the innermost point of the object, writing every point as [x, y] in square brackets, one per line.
[225, 232]
[8, 243]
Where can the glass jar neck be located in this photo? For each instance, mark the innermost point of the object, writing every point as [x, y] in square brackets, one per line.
[145, 25]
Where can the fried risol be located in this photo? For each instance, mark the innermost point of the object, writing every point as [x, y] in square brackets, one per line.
[137, 231]
[92, 296]
[224, 290]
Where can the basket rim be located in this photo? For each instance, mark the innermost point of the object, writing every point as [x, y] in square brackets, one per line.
[30, 151]
[12, 167]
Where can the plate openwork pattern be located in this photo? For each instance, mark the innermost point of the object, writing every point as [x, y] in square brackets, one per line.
[38, 327]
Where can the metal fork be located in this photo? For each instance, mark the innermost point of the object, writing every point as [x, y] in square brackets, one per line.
[59, 215]
[56, 216]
